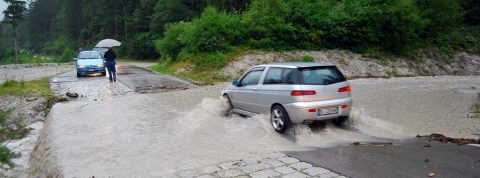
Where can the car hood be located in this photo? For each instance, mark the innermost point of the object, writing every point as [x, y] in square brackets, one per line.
[89, 62]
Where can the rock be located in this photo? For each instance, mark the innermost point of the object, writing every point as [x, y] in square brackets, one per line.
[427, 145]
[31, 99]
[72, 94]
[13, 127]
[431, 174]
[427, 160]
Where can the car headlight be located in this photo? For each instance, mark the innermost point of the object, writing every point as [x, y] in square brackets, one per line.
[81, 66]
[100, 65]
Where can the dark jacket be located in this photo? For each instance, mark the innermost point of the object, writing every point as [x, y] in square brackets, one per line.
[110, 55]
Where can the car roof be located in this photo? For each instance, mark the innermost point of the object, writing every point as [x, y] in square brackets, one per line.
[295, 64]
[89, 51]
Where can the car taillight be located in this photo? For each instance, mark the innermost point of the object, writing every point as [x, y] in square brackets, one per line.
[303, 92]
[345, 89]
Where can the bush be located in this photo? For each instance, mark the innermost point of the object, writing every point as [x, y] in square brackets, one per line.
[213, 31]
[57, 46]
[171, 45]
[308, 58]
[142, 47]
[67, 55]
[267, 25]
[381, 26]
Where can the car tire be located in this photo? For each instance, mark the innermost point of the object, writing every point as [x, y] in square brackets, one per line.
[279, 119]
[227, 105]
[78, 74]
[341, 121]
[104, 73]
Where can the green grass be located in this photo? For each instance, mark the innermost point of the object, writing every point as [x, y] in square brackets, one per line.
[201, 68]
[26, 57]
[163, 68]
[35, 88]
[198, 76]
[6, 156]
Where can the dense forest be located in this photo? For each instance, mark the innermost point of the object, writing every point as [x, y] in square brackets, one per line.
[169, 29]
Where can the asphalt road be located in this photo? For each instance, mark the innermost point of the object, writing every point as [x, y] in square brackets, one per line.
[405, 158]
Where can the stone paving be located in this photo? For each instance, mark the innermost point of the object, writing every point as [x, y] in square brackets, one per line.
[268, 165]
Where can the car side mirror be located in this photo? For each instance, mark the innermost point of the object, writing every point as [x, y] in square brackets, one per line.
[235, 83]
[75, 59]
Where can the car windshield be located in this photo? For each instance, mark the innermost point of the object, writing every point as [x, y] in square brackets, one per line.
[324, 75]
[89, 55]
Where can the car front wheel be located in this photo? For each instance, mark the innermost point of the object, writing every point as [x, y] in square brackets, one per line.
[227, 106]
[280, 120]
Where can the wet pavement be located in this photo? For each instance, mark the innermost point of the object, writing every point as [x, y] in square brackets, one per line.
[92, 87]
[407, 158]
[150, 135]
[144, 81]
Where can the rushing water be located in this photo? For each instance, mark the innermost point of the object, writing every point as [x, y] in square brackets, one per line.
[156, 134]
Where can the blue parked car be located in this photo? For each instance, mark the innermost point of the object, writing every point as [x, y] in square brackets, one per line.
[89, 62]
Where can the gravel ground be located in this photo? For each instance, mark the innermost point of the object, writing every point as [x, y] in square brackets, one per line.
[29, 72]
[358, 66]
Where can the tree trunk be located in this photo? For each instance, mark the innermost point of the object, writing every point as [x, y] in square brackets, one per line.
[125, 22]
[15, 43]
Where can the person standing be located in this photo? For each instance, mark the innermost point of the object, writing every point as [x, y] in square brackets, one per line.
[110, 57]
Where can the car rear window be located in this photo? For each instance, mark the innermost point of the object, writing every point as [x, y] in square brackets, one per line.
[324, 75]
[89, 55]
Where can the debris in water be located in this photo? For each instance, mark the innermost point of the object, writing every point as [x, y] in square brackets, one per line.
[431, 174]
[427, 160]
[372, 144]
[444, 139]
[72, 94]
[427, 145]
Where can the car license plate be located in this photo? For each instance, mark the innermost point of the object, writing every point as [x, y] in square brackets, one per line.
[327, 111]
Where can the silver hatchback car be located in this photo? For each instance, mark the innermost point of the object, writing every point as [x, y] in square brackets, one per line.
[291, 93]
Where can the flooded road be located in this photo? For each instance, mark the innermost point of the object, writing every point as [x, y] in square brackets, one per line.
[149, 135]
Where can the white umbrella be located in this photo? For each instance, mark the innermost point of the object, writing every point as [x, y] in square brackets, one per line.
[107, 43]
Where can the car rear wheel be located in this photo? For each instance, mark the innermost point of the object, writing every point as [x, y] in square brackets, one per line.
[104, 73]
[341, 121]
[227, 106]
[78, 74]
[279, 119]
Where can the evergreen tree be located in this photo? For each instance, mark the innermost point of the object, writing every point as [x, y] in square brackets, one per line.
[13, 14]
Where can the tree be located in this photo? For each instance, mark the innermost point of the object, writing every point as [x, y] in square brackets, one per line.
[13, 14]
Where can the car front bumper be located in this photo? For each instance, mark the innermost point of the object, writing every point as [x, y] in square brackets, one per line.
[299, 111]
[84, 71]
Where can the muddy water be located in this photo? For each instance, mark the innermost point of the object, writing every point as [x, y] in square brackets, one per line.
[156, 134]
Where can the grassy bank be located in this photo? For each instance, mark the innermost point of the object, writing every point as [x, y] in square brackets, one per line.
[200, 67]
[13, 128]
[35, 88]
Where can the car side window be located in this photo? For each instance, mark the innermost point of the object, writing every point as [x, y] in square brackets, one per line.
[280, 76]
[251, 78]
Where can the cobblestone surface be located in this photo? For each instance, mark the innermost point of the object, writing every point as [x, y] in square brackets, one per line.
[268, 165]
